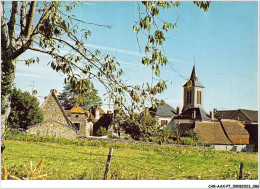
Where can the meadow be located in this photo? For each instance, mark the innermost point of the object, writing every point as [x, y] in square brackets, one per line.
[86, 160]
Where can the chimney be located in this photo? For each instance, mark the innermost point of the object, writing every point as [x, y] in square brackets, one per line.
[212, 115]
[97, 114]
[237, 118]
[178, 110]
[54, 91]
[45, 97]
[214, 110]
[34, 93]
[194, 114]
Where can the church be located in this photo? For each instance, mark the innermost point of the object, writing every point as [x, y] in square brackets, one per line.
[222, 134]
[192, 103]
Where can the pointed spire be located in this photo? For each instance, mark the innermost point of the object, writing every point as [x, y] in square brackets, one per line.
[193, 73]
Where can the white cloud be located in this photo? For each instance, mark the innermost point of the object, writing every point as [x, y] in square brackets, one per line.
[124, 51]
[28, 75]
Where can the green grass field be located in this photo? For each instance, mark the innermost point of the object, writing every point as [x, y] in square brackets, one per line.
[73, 159]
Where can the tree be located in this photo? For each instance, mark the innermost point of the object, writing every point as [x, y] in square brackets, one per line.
[69, 98]
[48, 27]
[137, 125]
[25, 110]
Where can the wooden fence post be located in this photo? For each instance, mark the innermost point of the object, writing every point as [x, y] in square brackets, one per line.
[241, 171]
[108, 163]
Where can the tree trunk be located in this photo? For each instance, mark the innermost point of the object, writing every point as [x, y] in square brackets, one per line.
[7, 78]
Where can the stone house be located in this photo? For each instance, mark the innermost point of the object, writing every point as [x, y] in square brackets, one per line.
[82, 121]
[58, 123]
[55, 121]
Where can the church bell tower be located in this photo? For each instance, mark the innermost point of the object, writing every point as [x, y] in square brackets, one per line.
[193, 92]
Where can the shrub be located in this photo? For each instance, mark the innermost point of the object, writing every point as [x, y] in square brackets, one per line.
[187, 141]
[152, 139]
[102, 131]
[191, 133]
[128, 137]
[110, 134]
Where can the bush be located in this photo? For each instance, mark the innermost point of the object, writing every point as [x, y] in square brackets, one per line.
[128, 137]
[187, 141]
[102, 131]
[110, 134]
[152, 139]
[191, 133]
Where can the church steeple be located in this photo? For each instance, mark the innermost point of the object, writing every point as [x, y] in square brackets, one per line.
[193, 73]
[193, 91]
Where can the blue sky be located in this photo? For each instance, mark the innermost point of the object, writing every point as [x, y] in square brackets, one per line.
[224, 42]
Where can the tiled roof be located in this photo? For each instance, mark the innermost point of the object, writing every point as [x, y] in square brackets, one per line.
[233, 127]
[224, 114]
[251, 114]
[77, 109]
[227, 114]
[187, 114]
[211, 132]
[166, 111]
[235, 131]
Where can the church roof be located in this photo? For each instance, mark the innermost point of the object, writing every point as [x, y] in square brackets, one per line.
[166, 111]
[193, 81]
[187, 114]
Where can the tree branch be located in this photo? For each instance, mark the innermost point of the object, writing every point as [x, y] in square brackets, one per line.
[12, 22]
[26, 44]
[108, 26]
[4, 35]
[23, 18]
[30, 18]
[75, 65]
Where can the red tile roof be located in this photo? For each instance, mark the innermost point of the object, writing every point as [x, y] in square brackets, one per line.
[77, 109]
[211, 132]
[235, 131]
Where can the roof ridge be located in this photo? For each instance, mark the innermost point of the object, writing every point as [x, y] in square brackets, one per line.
[62, 110]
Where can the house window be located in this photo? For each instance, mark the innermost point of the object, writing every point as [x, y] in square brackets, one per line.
[77, 115]
[198, 97]
[164, 122]
[77, 125]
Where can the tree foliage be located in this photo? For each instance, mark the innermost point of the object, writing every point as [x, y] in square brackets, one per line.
[69, 97]
[25, 110]
[49, 27]
[137, 125]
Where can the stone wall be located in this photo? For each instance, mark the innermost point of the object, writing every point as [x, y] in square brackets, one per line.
[85, 125]
[85, 130]
[52, 111]
[52, 128]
